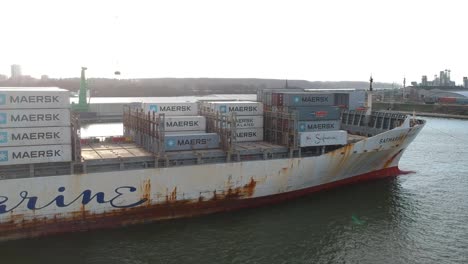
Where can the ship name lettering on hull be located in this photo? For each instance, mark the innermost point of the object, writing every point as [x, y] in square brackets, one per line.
[35, 203]
[392, 139]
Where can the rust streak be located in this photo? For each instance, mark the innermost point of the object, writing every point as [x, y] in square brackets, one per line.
[146, 190]
[389, 161]
[250, 187]
[173, 196]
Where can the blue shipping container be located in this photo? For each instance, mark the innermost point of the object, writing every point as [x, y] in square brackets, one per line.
[305, 99]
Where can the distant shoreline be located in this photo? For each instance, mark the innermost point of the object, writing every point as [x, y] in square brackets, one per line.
[436, 115]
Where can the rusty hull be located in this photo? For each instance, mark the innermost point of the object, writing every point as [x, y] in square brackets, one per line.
[85, 220]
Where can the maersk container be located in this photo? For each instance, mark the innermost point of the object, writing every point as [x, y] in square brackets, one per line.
[261, 93]
[21, 98]
[34, 136]
[35, 154]
[305, 99]
[185, 132]
[321, 125]
[312, 113]
[185, 123]
[249, 134]
[249, 122]
[34, 117]
[323, 138]
[245, 108]
[191, 141]
[173, 109]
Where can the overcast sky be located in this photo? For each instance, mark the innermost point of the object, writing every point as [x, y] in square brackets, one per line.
[327, 40]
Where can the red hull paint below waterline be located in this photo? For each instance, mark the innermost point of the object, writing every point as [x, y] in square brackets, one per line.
[84, 220]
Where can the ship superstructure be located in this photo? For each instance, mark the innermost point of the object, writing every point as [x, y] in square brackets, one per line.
[183, 159]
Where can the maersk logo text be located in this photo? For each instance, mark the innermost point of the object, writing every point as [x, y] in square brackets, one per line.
[2, 99]
[3, 118]
[3, 155]
[153, 108]
[3, 137]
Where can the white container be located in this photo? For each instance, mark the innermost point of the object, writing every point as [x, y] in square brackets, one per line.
[34, 154]
[185, 123]
[34, 118]
[249, 122]
[173, 109]
[34, 136]
[321, 125]
[245, 108]
[325, 138]
[249, 134]
[21, 98]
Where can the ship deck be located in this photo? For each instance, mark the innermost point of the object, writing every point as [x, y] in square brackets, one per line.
[115, 156]
[121, 151]
[99, 151]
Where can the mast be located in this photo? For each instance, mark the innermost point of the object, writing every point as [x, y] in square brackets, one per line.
[369, 97]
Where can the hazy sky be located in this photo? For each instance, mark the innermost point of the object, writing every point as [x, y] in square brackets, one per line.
[311, 40]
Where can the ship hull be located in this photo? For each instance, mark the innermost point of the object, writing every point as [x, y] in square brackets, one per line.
[41, 206]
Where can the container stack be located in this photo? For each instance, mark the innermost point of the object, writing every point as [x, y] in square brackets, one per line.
[265, 95]
[297, 116]
[34, 126]
[183, 128]
[351, 99]
[247, 116]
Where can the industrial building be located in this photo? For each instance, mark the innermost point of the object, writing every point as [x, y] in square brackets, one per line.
[16, 71]
[441, 81]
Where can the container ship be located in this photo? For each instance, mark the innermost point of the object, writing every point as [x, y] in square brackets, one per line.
[184, 159]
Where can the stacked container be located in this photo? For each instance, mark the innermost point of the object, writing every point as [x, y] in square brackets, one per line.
[184, 128]
[248, 116]
[315, 117]
[34, 125]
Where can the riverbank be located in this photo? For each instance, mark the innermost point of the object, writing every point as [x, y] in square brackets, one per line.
[429, 110]
[436, 115]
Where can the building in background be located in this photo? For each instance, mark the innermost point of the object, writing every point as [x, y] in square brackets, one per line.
[3, 77]
[465, 82]
[16, 71]
[441, 81]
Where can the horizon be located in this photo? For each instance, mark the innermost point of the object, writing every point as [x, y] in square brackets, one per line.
[299, 40]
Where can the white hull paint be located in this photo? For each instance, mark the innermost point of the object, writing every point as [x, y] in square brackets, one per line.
[32, 202]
